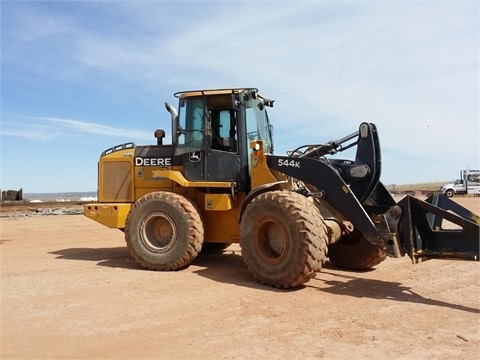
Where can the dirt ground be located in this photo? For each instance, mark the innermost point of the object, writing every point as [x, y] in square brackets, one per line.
[70, 290]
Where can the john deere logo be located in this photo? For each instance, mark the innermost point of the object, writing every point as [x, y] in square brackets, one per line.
[195, 156]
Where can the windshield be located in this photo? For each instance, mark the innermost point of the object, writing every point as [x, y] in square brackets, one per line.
[258, 126]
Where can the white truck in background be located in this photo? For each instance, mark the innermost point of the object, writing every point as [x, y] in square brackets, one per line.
[469, 183]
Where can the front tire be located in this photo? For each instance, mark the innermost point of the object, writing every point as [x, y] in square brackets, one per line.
[283, 239]
[164, 231]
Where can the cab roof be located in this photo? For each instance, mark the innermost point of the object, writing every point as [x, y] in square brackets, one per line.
[209, 92]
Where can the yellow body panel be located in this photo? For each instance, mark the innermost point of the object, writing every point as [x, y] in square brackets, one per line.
[178, 177]
[145, 178]
[115, 174]
[260, 172]
[111, 215]
[146, 181]
[216, 202]
[221, 225]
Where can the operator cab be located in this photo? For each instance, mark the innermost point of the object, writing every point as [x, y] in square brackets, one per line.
[213, 130]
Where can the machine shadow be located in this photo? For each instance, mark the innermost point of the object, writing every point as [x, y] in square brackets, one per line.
[228, 267]
[350, 285]
[117, 257]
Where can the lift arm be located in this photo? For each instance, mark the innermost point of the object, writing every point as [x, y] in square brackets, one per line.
[435, 228]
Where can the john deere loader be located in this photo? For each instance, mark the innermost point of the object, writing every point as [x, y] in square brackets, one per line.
[219, 182]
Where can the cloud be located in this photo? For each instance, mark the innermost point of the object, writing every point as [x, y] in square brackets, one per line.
[97, 129]
[29, 24]
[45, 129]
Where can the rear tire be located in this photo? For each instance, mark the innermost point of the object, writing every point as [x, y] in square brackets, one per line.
[355, 252]
[164, 231]
[283, 239]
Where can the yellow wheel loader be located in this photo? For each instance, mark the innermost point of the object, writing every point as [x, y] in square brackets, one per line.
[219, 182]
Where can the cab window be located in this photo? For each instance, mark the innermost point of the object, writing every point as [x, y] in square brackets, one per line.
[191, 117]
[223, 130]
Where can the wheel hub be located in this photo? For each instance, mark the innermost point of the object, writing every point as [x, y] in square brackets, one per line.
[158, 232]
[272, 241]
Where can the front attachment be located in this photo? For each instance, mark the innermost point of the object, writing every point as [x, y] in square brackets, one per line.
[438, 228]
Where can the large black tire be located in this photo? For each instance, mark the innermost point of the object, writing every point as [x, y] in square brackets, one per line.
[283, 239]
[355, 252]
[164, 231]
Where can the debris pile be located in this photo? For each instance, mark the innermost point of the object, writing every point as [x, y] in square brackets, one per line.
[12, 195]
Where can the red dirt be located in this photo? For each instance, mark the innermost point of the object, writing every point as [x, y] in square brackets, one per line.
[70, 290]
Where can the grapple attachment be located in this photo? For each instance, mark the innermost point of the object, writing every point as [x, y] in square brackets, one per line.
[438, 228]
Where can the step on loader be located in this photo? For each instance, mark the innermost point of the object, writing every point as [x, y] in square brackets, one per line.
[219, 182]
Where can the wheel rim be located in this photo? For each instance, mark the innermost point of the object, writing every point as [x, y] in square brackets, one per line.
[271, 240]
[158, 232]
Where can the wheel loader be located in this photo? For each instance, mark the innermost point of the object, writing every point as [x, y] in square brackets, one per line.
[219, 182]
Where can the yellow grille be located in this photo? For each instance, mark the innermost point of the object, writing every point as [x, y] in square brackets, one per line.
[115, 183]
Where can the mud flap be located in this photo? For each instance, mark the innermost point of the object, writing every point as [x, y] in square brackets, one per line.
[438, 228]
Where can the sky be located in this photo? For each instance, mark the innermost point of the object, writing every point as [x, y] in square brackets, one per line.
[78, 77]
